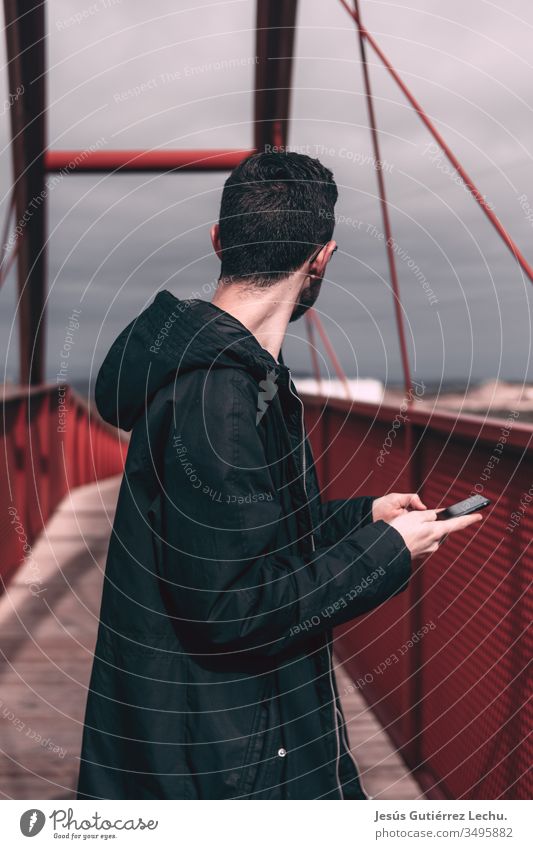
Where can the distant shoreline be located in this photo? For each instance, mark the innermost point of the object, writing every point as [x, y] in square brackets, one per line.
[481, 397]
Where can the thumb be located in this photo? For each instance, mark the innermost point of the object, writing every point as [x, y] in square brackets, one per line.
[415, 502]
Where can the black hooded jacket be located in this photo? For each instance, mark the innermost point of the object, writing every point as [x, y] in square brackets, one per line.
[212, 676]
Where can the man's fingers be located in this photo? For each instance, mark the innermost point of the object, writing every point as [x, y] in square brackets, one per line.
[428, 516]
[416, 502]
[448, 526]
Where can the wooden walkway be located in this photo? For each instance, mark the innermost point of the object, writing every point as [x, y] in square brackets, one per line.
[48, 623]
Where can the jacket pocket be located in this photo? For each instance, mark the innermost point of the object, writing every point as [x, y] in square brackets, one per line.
[259, 777]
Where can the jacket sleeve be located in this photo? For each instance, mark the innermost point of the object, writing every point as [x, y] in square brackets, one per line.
[343, 515]
[230, 578]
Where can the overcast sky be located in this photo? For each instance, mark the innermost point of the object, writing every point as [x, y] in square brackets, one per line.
[129, 74]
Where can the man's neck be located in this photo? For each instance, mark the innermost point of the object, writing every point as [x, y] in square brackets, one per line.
[265, 312]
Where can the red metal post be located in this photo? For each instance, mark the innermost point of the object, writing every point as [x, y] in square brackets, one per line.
[25, 37]
[274, 49]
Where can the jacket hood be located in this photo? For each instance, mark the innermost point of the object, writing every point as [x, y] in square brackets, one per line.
[171, 336]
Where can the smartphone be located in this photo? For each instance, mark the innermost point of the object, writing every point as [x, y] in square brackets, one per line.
[463, 508]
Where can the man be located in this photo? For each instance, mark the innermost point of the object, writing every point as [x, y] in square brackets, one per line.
[212, 676]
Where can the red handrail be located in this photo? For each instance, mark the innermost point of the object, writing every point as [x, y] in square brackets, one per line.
[109, 161]
[50, 442]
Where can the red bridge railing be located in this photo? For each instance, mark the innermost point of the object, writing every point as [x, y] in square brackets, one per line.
[51, 441]
[446, 665]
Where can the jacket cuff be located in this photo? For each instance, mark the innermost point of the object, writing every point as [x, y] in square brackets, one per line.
[386, 552]
[366, 512]
[393, 550]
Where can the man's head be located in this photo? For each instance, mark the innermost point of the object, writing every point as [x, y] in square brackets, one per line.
[276, 218]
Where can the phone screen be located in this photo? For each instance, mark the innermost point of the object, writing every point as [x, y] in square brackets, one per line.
[463, 508]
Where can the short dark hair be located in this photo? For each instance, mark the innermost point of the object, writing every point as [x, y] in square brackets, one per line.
[276, 209]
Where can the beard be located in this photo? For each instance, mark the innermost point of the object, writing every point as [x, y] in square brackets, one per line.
[307, 299]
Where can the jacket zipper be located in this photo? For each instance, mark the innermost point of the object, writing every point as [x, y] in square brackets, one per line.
[303, 455]
[339, 739]
[348, 752]
[335, 719]
[342, 737]
[330, 662]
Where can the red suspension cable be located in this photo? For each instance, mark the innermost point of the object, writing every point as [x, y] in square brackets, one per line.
[331, 352]
[312, 345]
[384, 210]
[438, 138]
[7, 260]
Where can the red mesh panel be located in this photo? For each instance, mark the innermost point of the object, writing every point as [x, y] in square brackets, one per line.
[13, 507]
[370, 645]
[473, 700]
[458, 703]
[40, 461]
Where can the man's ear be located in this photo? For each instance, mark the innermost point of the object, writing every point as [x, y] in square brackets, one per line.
[215, 239]
[318, 266]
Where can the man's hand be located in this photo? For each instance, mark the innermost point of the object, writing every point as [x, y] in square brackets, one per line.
[422, 532]
[388, 507]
